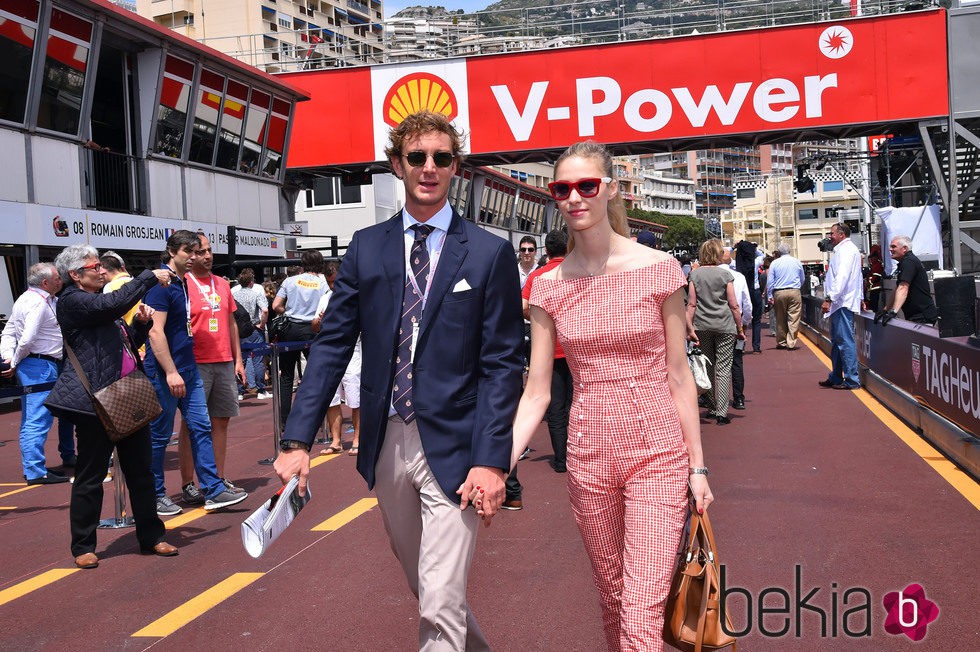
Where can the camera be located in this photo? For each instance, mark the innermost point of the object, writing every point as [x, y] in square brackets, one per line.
[825, 245]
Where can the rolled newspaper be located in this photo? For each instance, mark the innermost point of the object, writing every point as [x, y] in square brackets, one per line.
[270, 520]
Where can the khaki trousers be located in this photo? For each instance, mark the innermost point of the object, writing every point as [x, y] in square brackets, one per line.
[432, 538]
[789, 310]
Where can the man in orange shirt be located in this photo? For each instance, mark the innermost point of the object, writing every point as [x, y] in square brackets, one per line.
[217, 351]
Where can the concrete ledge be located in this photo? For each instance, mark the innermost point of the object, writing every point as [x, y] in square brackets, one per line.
[960, 446]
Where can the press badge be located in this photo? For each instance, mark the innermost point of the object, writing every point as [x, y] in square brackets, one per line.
[190, 333]
[213, 325]
[415, 338]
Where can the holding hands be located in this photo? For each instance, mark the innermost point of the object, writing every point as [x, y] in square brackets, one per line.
[484, 488]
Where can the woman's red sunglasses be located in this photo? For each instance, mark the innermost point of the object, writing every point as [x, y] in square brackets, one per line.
[586, 188]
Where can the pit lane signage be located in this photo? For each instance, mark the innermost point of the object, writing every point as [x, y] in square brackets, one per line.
[943, 373]
[865, 70]
[60, 227]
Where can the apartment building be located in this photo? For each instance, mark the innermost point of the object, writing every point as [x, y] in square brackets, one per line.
[713, 171]
[279, 35]
[410, 38]
[116, 132]
[667, 194]
[768, 209]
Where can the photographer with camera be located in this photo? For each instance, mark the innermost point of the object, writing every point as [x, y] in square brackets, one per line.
[843, 291]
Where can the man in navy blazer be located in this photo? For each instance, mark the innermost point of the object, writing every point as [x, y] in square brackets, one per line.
[438, 389]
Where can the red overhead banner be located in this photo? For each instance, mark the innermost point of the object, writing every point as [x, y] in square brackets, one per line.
[866, 70]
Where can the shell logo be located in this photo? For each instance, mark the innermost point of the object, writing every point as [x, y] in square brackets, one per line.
[417, 92]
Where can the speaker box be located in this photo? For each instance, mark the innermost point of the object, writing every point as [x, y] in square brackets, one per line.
[956, 301]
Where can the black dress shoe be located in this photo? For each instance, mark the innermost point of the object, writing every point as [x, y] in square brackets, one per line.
[826, 383]
[49, 478]
[739, 404]
[723, 420]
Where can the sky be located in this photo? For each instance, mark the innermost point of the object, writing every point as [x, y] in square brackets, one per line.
[392, 7]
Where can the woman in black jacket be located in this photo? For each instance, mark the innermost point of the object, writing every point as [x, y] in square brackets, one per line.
[91, 324]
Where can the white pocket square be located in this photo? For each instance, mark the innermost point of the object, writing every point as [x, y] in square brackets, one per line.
[462, 286]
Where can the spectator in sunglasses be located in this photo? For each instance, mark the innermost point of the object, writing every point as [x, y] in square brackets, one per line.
[525, 259]
[617, 309]
[436, 302]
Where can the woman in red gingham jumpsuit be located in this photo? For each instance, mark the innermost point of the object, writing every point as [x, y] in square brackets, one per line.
[632, 433]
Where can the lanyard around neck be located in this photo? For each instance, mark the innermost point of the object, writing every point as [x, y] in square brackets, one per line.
[187, 298]
[203, 288]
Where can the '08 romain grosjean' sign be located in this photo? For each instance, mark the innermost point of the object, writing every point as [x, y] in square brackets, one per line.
[866, 70]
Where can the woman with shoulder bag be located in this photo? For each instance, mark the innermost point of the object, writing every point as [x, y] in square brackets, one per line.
[714, 322]
[92, 326]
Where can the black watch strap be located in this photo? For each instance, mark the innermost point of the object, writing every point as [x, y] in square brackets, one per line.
[292, 444]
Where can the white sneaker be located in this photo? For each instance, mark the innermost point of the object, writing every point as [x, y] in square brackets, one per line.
[263, 395]
[241, 398]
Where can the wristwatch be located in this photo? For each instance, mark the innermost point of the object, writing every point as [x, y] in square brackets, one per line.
[287, 445]
[699, 470]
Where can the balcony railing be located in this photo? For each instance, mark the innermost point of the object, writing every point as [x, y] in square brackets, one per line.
[113, 181]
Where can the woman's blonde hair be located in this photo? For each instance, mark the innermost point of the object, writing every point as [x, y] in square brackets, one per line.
[615, 208]
[711, 252]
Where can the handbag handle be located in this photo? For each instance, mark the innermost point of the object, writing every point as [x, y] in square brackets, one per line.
[82, 377]
[702, 533]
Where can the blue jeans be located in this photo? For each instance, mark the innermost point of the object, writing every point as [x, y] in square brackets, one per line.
[843, 350]
[254, 368]
[36, 421]
[194, 410]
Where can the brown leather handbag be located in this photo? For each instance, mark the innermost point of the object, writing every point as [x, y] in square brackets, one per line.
[692, 618]
[123, 406]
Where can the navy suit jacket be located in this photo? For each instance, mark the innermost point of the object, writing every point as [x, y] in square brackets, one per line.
[467, 376]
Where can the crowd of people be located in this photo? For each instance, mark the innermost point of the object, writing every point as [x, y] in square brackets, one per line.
[86, 322]
[449, 350]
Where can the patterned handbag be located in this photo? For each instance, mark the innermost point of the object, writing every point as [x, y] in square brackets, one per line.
[123, 406]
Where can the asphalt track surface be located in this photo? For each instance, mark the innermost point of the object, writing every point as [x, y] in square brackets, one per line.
[819, 480]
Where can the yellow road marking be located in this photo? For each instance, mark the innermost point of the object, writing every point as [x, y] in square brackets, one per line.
[320, 459]
[42, 580]
[929, 454]
[185, 613]
[347, 515]
[1, 508]
[198, 512]
[17, 491]
[185, 518]
[13, 484]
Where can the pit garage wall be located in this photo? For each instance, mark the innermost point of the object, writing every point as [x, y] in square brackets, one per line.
[931, 383]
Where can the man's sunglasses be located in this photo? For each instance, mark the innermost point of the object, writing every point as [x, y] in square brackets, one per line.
[529, 249]
[586, 188]
[441, 159]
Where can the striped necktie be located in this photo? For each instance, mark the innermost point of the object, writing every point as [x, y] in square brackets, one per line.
[411, 317]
